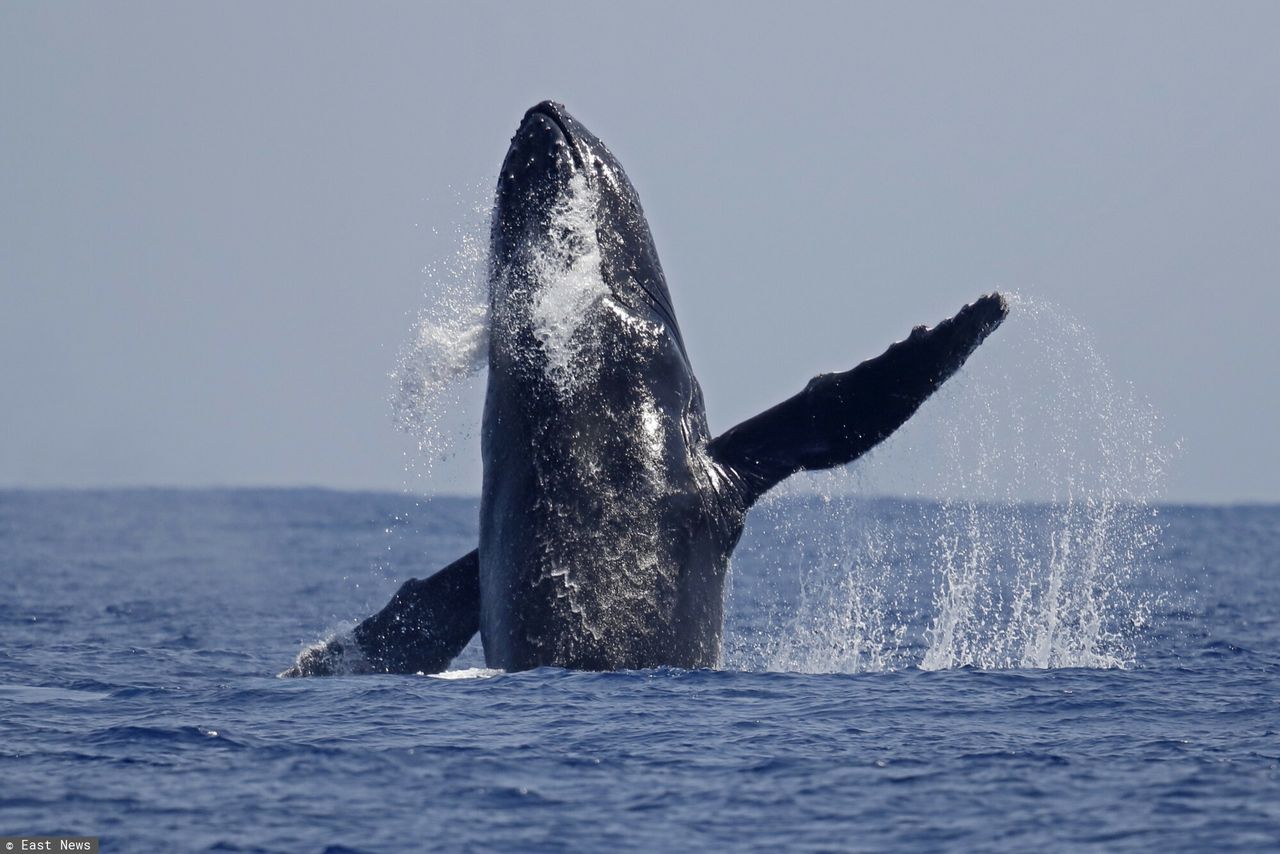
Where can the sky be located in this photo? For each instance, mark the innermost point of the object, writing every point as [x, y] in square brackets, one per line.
[214, 218]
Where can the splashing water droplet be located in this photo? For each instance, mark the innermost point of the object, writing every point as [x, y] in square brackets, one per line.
[1045, 469]
[448, 348]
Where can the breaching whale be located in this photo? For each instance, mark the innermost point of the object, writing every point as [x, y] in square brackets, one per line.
[608, 512]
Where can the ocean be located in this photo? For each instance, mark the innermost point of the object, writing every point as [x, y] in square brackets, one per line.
[898, 675]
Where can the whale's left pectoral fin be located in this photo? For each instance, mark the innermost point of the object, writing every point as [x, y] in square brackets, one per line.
[839, 417]
[423, 628]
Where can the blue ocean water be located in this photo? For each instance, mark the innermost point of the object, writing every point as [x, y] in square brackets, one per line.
[141, 631]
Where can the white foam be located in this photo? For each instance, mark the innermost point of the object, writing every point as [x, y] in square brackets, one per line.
[468, 673]
[337, 655]
[569, 287]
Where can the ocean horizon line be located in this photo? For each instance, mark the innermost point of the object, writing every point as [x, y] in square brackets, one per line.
[448, 496]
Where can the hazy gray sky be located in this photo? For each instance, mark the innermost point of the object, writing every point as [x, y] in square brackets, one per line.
[213, 217]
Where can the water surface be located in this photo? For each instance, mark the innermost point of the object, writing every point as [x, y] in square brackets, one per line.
[141, 631]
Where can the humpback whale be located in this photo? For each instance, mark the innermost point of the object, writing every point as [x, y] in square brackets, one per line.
[609, 511]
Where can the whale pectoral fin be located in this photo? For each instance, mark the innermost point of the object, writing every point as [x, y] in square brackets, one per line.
[839, 417]
[423, 628]
[428, 622]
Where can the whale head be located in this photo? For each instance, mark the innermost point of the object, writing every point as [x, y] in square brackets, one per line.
[568, 233]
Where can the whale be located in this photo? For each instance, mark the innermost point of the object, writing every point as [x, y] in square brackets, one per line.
[609, 511]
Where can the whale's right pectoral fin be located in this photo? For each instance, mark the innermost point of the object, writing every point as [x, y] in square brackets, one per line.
[423, 628]
[839, 417]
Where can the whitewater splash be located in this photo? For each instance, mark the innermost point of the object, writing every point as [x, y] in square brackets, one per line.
[448, 349]
[467, 673]
[1046, 468]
